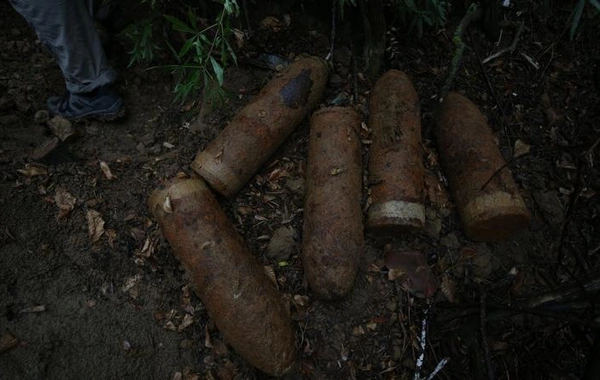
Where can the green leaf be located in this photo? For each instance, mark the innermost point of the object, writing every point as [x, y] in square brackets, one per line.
[577, 17]
[231, 7]
[218, 70]
[179, 25]
[192, 18]
[596, 4]
[186, 47]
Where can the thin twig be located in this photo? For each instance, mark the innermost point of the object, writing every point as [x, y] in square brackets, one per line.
[504, 119]
[333, 15]
[472, 13]
[497, 308]
[509, 49]
[483, 332]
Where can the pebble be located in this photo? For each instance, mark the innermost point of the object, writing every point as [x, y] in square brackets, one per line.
[450, 241]
[282, 244]
[296, 185]
[391, 306]
[61, 127]
[41, 117]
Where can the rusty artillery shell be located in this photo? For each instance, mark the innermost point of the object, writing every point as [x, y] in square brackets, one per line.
[485, 193]
[237, 153]
[395, 163]
[333, 231]
[246, 307]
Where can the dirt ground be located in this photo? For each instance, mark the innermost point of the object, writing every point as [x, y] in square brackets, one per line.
[116, 305]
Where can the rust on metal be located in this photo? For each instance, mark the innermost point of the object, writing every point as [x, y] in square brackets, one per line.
[470, 157]
[252, 136]
[243, 302]
[395, 163]
[333, 230]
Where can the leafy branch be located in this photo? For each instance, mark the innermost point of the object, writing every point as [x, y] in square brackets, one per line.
[197, 66]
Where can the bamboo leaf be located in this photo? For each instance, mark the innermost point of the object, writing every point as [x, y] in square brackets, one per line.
[218, 70]
[577, 17]
[596, 4]
[179, 25]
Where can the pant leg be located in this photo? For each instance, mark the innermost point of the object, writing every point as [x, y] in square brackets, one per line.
[66, 28]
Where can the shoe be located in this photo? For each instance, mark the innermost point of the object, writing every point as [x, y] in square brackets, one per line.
[102, 103]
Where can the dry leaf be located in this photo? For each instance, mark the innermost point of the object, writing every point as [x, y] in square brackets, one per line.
[300, 300]
[167, 205]
[7, 341]
[521, 148]
[64, 201]
[32, 170]
[111, 234]
[131, 282]
[272, 23]
[34, 309]
[482, 263]
[336, 171]
[106, 170]
[95, 225]
[147, 249]
[412, 268]
[270, 272]
[448, 288]
[188, 320]
[207, 340]
[240, 38]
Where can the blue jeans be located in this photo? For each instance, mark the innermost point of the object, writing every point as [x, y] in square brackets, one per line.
[67, 29]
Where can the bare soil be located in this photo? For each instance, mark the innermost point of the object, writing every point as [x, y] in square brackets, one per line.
[120, 307]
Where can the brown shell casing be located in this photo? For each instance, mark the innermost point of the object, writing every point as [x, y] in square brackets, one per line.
[470, 157]
[252, 136]
[333, 235]
[395, 163]
[244, 304]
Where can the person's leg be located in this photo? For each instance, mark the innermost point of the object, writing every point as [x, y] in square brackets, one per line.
[66, 28]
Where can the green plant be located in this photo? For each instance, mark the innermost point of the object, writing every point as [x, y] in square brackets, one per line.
[342, 5]
[141, 34]
[578, 13]
[418, 13]
[206, 52]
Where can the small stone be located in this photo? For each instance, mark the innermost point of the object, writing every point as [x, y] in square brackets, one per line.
[391, 306]
[140, 148]
[41, 117]
[433, 228]
[450, 241]
[282, 244]
[52, 151]
[147, 139]
[45, 148]
[296, 186]
[156, 149]
[209, 360]
[61, 127]
[336, 80]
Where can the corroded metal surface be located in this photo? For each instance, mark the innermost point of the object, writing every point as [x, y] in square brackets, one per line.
[333, 230]
[238, 295]
[490, 210]
[252, 136]
[395, 163]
